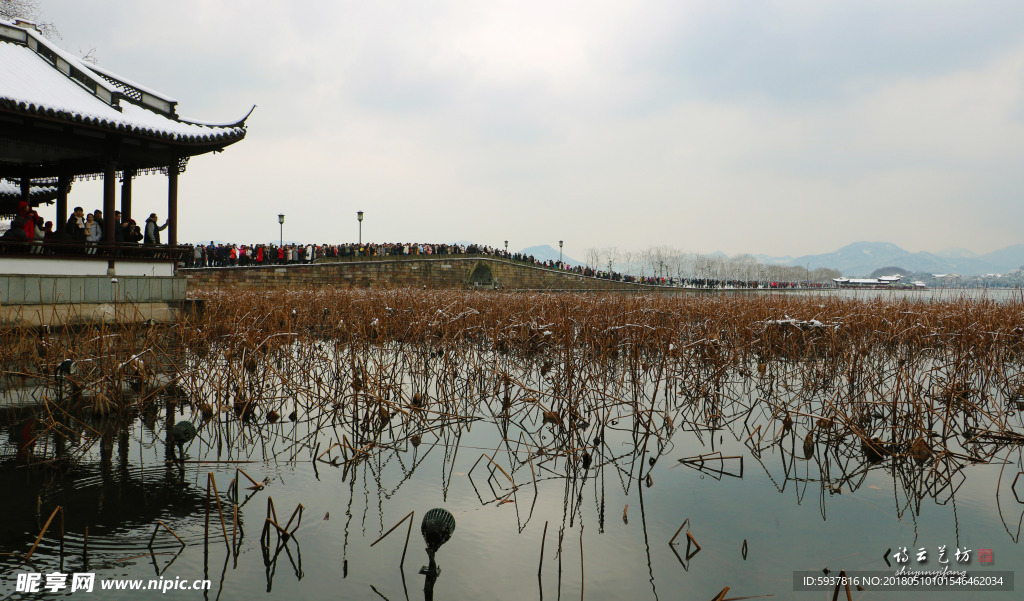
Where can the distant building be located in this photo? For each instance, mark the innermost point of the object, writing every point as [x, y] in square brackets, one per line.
[885, 281]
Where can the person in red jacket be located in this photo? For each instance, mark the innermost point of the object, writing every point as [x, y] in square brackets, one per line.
[28, 217]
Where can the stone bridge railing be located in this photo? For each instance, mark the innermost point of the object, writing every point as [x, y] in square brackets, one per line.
[460, 271]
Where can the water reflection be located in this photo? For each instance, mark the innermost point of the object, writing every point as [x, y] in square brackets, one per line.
[513, 444]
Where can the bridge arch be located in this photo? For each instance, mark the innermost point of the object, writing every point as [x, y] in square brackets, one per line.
[481, 275]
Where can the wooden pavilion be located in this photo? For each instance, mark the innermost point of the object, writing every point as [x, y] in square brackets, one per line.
[63, 119]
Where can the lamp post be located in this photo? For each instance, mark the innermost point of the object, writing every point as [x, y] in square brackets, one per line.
[280, 219]
[359, 216]
[559, 252]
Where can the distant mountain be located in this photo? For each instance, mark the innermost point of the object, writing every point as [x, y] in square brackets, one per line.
[1007, 259]
[957, 253]
[546, 252]
[892, 270]
[862, 258]
[770, 260]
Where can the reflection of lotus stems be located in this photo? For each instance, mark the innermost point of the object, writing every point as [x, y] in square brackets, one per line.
[211, 483]
[543, 538]
[382, 371]
[156, 529]
[46, 526]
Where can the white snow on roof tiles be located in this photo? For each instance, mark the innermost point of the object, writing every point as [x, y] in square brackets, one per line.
[9, 188]
[27, 77]
[32, 82]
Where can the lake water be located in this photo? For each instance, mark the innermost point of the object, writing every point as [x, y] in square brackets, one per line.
[761, 508]
[1001, 295]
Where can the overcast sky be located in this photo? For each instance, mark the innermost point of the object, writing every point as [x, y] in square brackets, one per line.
[783, 128]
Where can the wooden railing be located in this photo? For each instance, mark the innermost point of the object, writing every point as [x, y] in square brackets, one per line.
[121, 251]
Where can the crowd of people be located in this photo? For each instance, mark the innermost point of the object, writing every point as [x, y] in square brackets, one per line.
[86, 228]
[234, 255]
[247, 255]
[28, 226]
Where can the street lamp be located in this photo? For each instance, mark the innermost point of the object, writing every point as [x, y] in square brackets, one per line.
[559, 251]
[280, 219]
[359, 216]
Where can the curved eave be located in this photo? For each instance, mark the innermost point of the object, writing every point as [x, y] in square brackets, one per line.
[219, 137]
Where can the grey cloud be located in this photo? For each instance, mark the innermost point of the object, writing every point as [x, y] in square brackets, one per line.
[815, 52]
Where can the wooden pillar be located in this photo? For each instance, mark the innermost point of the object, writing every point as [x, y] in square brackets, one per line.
[172, 204]
[26, 190]
[109, 197]
[126, 194]
[63, 187]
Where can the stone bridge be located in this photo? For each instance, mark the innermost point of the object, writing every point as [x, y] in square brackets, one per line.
[459, 271]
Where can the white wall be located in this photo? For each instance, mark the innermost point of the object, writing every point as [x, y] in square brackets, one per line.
[84, 266]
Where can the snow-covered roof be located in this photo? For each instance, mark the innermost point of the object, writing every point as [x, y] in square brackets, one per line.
[12, 190]
[10, 196]
[39, 78]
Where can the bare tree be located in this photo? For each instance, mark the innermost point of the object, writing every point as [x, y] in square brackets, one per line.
[29, 11]
[630, 260]
[609, 255]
